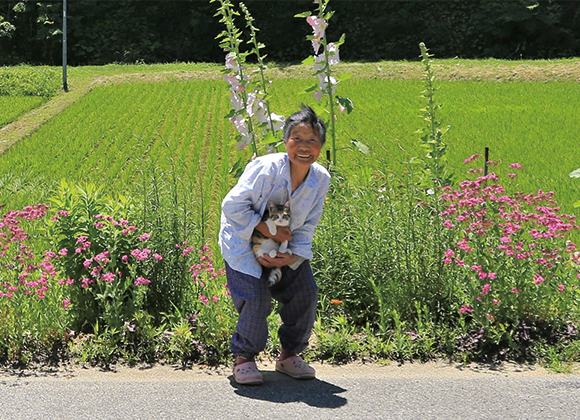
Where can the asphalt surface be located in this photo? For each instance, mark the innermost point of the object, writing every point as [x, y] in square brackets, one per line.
[432, 391]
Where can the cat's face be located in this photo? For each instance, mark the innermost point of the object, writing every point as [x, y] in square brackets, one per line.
[279, 213]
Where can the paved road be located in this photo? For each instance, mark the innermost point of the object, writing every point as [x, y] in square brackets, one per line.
[349, 392]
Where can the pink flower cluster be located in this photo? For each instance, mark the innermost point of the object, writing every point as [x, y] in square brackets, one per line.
[204, 271]
[205, 265]
[515, 230]
[34, 273]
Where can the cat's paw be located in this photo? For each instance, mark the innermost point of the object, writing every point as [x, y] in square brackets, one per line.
[273, 254]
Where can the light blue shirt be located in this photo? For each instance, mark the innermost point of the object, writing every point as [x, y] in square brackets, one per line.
[268, 178]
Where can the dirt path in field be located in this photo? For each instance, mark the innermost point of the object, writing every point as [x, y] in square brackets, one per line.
[450, 70]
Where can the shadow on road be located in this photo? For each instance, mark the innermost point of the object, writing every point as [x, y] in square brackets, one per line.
[279, 388]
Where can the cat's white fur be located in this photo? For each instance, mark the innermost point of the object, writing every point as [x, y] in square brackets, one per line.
[270, 247]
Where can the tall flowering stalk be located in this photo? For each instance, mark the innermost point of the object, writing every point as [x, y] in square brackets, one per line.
[326, 55]
[512, 252]
[250, 113]
[262, 112]
[432, 134]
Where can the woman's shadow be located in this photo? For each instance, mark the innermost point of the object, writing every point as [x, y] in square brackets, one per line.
[280, 388]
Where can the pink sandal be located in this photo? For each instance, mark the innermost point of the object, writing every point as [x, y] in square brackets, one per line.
[295, 367]
[247, 373]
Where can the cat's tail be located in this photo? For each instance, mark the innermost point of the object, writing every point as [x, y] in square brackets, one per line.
[275, 276]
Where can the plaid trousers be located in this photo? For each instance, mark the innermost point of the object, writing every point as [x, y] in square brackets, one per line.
[296, 291]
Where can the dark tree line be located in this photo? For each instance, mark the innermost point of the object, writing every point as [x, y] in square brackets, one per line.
[101, 32]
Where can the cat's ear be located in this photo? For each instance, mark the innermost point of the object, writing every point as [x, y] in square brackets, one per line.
[272, 207]
[287, 205]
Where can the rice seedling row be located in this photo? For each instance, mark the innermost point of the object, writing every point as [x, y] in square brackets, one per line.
[13, 107]
[114, 126]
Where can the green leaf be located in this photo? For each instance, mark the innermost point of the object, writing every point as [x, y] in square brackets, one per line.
[237, 169]
[308, 60]
[363, 148]
[344, 76]
[577, 204]
[311, 89]
[340, 41]
[345, 102]
[303, 15]
[575, 174]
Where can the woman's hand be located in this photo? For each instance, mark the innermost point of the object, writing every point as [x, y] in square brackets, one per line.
[280, 260]
[283, 233]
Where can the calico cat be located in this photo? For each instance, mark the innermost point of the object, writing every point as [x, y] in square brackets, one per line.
[275, 215]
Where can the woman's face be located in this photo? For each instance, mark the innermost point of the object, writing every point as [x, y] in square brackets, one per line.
[303, 145]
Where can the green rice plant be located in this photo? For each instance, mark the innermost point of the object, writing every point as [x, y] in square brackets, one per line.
[13, 107]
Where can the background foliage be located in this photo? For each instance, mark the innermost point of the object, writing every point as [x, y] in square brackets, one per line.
[165, 31]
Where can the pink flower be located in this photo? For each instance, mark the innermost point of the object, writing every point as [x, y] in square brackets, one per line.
[203, 299]
[108, 277]
[81, 239]
[65, 303]
[158, 257]
[144, 237]
[505, 239]
[449, 253]
[561, 288]
[140, 281]
[485, 289]
[215, 298]
[472, 158]
[63, 252]
[514, 290]
[516, 166]
[318, 25]
[333, 57]
[490, 317]
[512, 176]
[538, 279]
[466, 309]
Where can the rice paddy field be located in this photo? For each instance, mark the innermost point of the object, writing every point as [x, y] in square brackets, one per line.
[13, 107]
[174, 115]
